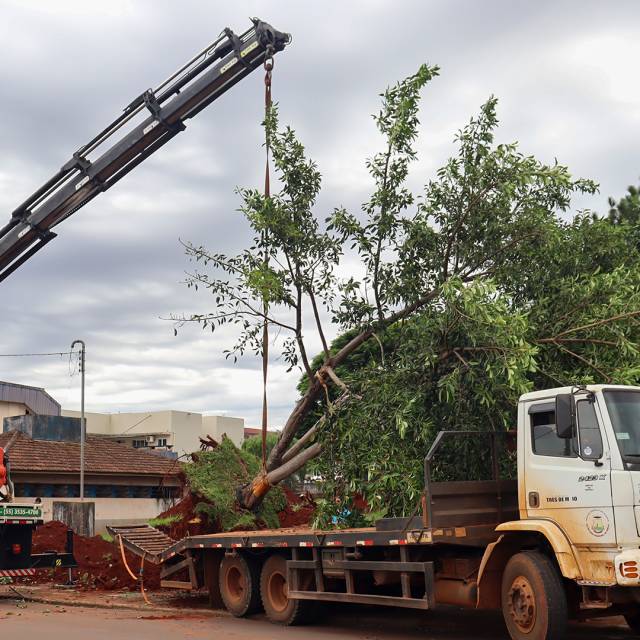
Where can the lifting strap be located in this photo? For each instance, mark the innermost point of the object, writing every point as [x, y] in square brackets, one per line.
[268, 67]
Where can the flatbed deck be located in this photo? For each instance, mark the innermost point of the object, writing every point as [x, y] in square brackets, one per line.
[298, 537]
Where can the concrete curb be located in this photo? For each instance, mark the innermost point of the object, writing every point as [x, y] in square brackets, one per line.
[88, 604]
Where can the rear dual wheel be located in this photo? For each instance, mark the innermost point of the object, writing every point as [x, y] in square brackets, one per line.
[239, 579]
[274, 590]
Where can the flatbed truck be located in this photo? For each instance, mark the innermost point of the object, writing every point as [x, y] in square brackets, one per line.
[558, 541]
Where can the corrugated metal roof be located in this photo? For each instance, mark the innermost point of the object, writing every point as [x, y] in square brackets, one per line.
[37, 400]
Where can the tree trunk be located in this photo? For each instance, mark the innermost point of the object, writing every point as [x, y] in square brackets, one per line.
[255, 492]
[282, 463]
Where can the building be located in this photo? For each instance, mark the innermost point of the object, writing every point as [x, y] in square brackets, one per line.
[126, 485]
[174, 431]
[250, 432]
[20, 400]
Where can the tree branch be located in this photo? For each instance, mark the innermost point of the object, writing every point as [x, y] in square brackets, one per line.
[585, 361]
[299, 340]
[251, 310]
[299, 444]
[325, 346]
[599, 323]
[608, 343]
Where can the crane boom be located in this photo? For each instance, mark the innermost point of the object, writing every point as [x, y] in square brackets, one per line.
[152, 119]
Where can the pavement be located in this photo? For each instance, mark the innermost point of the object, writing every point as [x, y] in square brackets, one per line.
[76, 615]
[161, 601]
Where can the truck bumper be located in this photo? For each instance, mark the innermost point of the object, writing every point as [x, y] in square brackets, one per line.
[627, 566]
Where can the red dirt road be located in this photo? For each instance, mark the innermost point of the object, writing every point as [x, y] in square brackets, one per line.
[71, 623]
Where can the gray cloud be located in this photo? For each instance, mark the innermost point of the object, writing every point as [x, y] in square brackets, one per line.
[564, 73]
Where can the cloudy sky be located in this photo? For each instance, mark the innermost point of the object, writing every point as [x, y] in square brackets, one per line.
[565, 73]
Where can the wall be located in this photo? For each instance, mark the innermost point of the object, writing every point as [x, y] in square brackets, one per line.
[111, 510]
[53, 428]
[96, 422]
[10, 409]
[215, 426]
[181, 428]
[185, 427]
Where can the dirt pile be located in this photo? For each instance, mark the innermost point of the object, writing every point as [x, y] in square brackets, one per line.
[299, 510]
[184, 521]
[100, 563]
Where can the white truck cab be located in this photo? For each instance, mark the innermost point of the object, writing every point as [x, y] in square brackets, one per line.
[579, 478]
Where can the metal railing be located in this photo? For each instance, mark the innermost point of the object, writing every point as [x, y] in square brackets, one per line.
[493, 436]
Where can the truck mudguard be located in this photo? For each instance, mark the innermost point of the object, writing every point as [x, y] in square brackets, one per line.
[514, 538]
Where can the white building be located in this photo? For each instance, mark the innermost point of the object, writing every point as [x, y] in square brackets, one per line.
[176, 431]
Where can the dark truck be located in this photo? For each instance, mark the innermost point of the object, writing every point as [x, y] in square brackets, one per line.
[17, 524]
[561, 541]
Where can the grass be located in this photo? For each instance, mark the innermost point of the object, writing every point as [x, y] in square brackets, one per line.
[215, 476]
[167, 521]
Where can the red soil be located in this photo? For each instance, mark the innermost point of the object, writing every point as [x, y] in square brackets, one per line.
[190, 522]
[359, 503]
[299, 510]
[100, 563]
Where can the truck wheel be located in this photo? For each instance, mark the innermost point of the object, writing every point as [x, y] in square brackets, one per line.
[534, 603]
[239, 579]
[633, 620]
[275, 595]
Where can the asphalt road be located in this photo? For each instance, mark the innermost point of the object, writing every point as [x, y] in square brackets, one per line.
[72, 623]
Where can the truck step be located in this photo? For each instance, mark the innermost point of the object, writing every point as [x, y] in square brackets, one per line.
[142, 539]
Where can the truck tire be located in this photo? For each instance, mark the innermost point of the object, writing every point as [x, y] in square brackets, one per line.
[633, 620]
[275, 599]
[534, 602]
[239, 590]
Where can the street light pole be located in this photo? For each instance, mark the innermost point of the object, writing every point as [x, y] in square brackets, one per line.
[83, 426]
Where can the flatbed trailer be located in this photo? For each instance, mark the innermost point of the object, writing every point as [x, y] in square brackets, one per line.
[403, 562]
[560, 542]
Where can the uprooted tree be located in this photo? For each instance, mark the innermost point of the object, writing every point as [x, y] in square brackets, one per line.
[472, 292]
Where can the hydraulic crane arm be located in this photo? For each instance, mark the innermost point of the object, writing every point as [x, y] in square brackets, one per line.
[152, 119]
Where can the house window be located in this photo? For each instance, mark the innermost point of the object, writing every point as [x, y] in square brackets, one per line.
[162, 442]
[139, 444]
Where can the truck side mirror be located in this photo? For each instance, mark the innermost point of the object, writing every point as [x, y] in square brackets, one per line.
[565, 415]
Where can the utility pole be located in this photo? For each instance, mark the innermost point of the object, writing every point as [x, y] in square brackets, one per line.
[83, 427]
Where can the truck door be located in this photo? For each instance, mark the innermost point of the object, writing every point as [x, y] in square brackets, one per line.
[569, 480]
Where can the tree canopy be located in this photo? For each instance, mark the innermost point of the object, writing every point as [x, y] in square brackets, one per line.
[627, 209]
[466, 295]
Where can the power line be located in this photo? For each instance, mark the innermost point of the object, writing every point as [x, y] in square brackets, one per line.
[136, 424]
[27, 355]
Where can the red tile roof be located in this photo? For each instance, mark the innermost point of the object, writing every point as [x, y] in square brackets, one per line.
[102, 456]
[254, 431]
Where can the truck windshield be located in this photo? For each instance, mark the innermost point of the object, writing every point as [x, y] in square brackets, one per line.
[624, 411]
